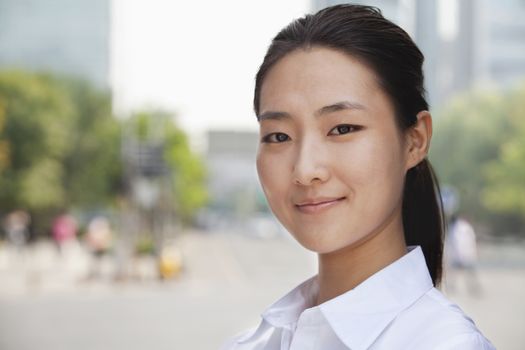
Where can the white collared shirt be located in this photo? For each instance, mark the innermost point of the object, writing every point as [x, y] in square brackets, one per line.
[396, 308]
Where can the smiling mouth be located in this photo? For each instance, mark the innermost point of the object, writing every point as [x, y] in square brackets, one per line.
[315, 207]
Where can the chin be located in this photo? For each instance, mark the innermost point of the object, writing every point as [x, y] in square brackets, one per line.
[319, 242]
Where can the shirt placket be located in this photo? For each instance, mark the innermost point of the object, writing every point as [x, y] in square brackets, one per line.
[286, 338]
[305, 336]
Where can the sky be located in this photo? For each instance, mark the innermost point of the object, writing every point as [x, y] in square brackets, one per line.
[197, 59]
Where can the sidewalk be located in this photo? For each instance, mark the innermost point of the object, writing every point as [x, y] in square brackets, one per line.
[228, 279]
[39, 269]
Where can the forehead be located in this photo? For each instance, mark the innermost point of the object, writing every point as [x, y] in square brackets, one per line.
[309, 78]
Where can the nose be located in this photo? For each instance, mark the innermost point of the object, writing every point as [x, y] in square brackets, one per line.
[310, 165]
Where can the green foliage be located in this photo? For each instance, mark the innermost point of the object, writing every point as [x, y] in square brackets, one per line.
[145, 245]
[187, 169]
[41, 185]
[93, 166]
[60, 148]
[476, 148]
[189, 175]
[59, 144]
[37, 118]
[505, 190]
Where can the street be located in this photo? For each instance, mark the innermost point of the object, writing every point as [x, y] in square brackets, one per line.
[228, 279]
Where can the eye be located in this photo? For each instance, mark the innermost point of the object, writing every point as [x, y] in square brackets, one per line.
[276, 137]
[344, 129]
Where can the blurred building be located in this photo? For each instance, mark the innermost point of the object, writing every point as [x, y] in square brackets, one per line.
[64, 36]
[466, 43]
[483, 46]
[488, 48]
[233, 182]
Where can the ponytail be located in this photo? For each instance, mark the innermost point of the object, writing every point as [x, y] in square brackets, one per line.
[423, 219]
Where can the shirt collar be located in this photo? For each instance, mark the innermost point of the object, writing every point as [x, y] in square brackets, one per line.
[360, 315]
[286, 311]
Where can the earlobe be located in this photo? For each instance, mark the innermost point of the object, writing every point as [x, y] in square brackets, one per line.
[418, 137]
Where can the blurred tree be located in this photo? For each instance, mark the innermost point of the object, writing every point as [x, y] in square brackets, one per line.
[470, 134]
[59, 145]
[4, 145]
[37, 118]
[92, 164]
[187, 169]
[189, 175]
[505, 190]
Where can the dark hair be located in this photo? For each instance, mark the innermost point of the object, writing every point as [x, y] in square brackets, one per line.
[363, 33]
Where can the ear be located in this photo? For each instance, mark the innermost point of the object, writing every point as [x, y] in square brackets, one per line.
[418, 139]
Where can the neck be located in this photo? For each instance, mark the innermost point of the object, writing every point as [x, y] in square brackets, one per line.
[344, 269]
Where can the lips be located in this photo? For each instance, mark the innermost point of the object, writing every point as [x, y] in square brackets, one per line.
[317, 205]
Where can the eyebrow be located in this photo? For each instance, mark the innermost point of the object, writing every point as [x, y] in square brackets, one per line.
[335, 107]
[273, 115]
[339, 106]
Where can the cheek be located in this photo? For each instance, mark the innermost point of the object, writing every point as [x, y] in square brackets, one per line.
[271, 175]
[374, 163]
[387, 172]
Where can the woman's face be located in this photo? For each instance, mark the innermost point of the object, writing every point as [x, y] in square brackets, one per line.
[331, 160]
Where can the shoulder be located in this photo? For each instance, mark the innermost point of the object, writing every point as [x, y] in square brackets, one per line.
[467, 341]
[434, 322]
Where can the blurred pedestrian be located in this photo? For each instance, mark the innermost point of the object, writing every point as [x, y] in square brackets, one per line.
[64, 231]
[461, 255]
[16, 226]
[99, 239]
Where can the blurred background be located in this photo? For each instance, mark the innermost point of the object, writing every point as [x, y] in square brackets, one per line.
[130, 210]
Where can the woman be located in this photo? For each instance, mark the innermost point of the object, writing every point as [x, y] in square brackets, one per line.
[342, 161]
